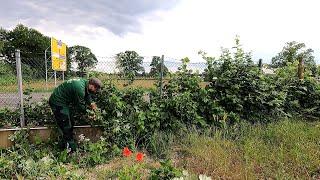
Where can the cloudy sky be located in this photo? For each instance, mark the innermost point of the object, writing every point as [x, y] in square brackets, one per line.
[175, 28]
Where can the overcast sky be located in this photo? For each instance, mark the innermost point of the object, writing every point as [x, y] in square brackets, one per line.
[175, 28]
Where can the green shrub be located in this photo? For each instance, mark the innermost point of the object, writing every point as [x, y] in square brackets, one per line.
[241, 89]
[166, 171]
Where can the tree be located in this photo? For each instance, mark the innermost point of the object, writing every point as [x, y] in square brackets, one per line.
[31, 44]
[292, 52]
[130, 64]
[84, 58]
[156, 67]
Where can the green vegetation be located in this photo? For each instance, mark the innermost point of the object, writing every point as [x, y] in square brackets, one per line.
[280, 150]
[130, 64]
[32, 45]
[7, 76]
[156, 67]
[292, 52]
[84, 58]
[239, 125]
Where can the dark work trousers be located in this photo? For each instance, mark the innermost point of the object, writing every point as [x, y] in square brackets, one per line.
[65, 125]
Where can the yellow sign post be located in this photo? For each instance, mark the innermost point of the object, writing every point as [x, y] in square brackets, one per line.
[58, 55]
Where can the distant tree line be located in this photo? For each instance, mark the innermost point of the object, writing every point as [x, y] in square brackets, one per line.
[33, 44]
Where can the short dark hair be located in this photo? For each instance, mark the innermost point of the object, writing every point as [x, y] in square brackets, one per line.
[96, 82]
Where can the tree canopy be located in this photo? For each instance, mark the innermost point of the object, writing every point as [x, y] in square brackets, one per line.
[156, 67]
[83, 57]
[129, 64]
[292, 52]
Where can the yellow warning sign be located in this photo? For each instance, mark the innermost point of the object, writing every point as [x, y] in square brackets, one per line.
[58, 55]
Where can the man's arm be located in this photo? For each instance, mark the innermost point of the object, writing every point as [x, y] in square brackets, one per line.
[89, 101]
[80, 101]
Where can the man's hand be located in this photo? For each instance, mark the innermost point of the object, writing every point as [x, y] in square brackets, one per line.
[92, 117]
[93, 106]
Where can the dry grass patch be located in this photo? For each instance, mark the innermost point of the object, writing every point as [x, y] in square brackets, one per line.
[214, 157]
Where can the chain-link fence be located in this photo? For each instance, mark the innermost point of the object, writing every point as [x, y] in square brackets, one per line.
[39, 80]
[8, 84]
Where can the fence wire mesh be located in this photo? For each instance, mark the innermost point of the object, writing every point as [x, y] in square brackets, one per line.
[8, 84]
[39, 81]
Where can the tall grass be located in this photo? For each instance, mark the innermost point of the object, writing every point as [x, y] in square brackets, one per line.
[282, 150]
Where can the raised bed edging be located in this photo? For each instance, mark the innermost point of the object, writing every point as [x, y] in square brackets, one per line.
[45, 133]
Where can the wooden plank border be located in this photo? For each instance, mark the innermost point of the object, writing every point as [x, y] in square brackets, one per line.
[46, 133]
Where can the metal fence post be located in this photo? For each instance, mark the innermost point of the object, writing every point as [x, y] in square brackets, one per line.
[260, 64]
[55, 78]
[20, 90]
[301, 69]
[46, 65]
[161, 74]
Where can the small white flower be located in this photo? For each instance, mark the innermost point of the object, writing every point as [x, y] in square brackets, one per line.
[102, 138]
[180, 178]
[81, 137]
[119, 114]
[204, 177]
[47, 160]
[29, 164]
[185, 173]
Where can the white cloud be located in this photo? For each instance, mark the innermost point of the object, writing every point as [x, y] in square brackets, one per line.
[263, 26]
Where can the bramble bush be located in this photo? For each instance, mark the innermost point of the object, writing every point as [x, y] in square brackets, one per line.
[237, 90]
[241, 89]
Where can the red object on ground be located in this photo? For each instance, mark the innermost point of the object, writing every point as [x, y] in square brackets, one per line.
[126, 152]
[139, 156]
